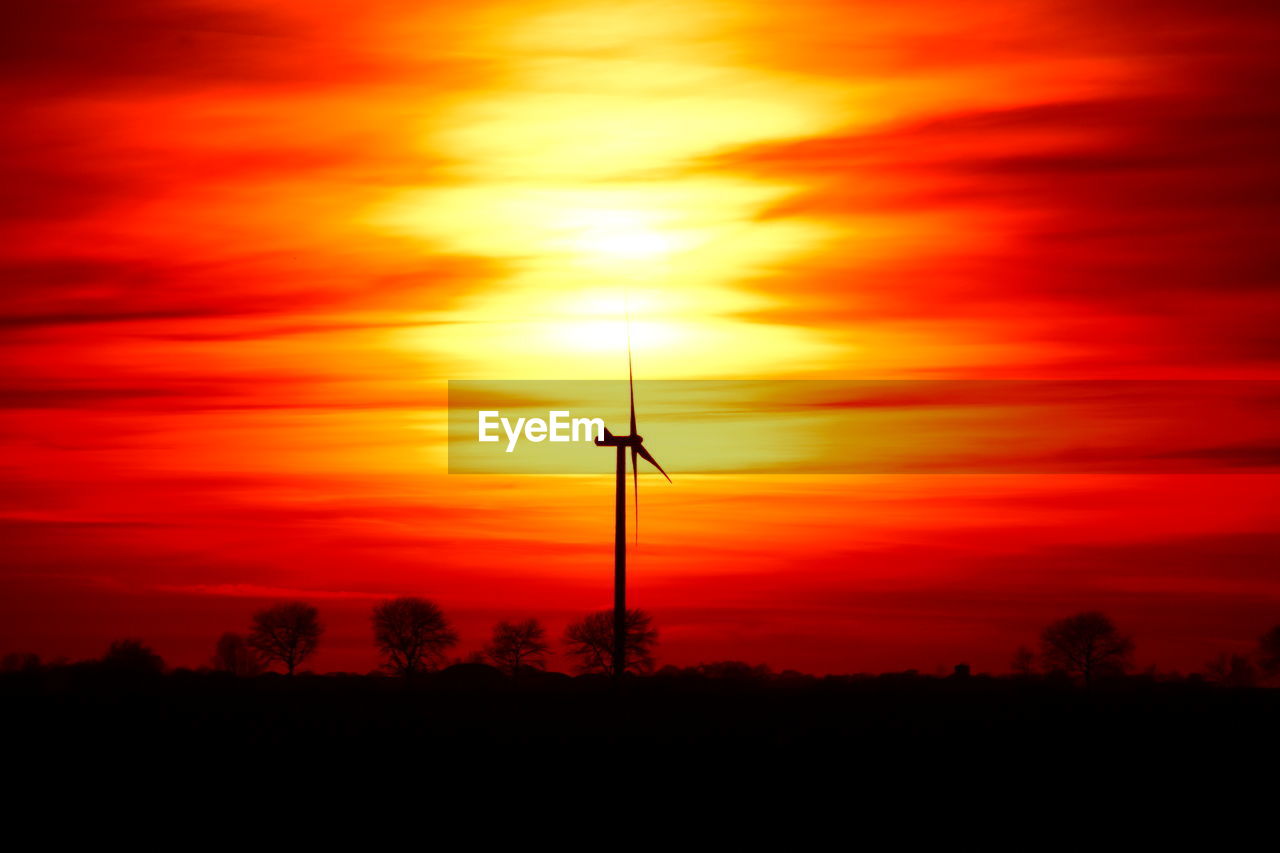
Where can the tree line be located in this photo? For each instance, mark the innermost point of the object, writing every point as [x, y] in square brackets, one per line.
[414, 636]
[1089, 646]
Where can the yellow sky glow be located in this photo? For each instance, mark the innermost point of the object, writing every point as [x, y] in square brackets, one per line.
[577, 178]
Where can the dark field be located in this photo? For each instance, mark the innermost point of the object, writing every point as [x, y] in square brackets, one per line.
[476, 715]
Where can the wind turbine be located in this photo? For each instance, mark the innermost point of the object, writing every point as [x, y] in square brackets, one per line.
[636, 442]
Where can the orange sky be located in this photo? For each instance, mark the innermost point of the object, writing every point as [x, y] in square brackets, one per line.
[246, 244]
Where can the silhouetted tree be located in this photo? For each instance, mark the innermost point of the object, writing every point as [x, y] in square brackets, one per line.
[518, 644]
[1232, 671]
[1086, 644]
[1024, 661]
[287, 633]
[793, 676]
[233, 655]
[130, 655]
[591, 641]
[412, 633]
[20, 662]
[734, 670]
[1269, 651]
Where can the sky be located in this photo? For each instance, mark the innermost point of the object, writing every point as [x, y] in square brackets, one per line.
[246, 245]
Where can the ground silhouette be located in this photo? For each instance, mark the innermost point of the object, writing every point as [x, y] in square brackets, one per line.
[473, 714]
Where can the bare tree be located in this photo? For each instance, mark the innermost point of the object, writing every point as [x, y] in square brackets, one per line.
[591, 641]
[412, 633]
[518, 644]
[1269, 651]
[234, 655]
[287, 633]
[1086, 644]
[1024, 661]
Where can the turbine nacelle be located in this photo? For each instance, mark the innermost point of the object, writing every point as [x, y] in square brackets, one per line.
[611, 440]
[636, 443]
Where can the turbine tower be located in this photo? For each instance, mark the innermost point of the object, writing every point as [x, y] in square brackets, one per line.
[636, 442]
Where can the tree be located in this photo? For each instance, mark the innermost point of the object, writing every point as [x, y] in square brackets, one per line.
[1024, 661]
[1231, 671]
[233, 655]
[1086, 644]
[1269, 651]
[591, 641]
[20, 662]
[130, 655]
[412, 633]
[519, 644]
[733, 670]
[287, 633]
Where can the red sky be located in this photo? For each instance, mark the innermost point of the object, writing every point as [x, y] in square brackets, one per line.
[246, 245]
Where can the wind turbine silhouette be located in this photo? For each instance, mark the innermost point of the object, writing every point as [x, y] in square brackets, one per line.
[636, 442]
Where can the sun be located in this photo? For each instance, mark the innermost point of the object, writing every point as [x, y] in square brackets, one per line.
[620, 235]
[633, 244]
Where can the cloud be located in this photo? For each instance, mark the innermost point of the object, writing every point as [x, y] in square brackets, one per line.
[1159, 208]
[259, 591]
[69, 44]
[88, 290]
[1094, 185]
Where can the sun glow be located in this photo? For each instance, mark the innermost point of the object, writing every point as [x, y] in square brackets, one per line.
[609, 336]
[622, 235]
[580, 176]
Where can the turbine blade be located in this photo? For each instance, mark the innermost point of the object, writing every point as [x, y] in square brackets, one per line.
[646, 456]
[635, 485]
[631, 378]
